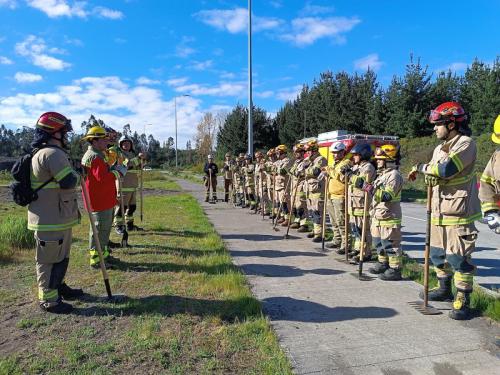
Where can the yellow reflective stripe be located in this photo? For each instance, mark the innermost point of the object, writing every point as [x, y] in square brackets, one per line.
[456, 160]
[456, 221]
[53, 227]
[488, 179]
[434, 170]
[383, 259]
[63, 173]
[48, 296]
[357, 212]
[464, 277]
[394, 262]
[386, 223]
[487, 206]
[457, 180]
[132, 171]
[51, 185]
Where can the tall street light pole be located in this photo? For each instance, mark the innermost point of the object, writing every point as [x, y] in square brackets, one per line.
[250, 102]
[175, 113]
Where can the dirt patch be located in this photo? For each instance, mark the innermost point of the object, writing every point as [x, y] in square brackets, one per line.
[5, 195]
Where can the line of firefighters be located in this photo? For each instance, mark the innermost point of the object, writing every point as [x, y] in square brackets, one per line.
[292, 190]
[110, 170]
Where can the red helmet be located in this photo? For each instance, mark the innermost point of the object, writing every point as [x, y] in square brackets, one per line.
[52, 122]
[448, 112]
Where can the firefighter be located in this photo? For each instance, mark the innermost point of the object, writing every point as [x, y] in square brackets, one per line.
[455, 206]
[270, 177]
[228, 175]
[314, 187]
[211, 171]
[489, 191]
[299, 204]
[100, 180]
[336, 199]
[282, 167]
[55, 212]
[386, 214]
[238, 180]
[129, 185]
[260, 182]
[249, 173]
[362, 173]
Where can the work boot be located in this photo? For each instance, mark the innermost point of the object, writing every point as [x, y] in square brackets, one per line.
[442, 293]
[352, 253]
[303, 229]
[310, 235]
[69, 293]
[295, 225]
[317, 239]
[119, 229]
[340, 251]
[379, 268]
[461, 306]
[332, 245]
[252, 207]
[355, 259]
[132, 227]
[59, 308]
[391, 274]
[113, 245]
[206, 199]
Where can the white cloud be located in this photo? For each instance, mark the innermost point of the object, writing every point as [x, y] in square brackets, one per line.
[35, 50]
[313, 10]
[236, 89]
[454, 67]
[111, 99]
[264, 94]
[177, 81]
[59, 8]
[27, 77]
[108, 13]
[5, 61]
[307, 30]
[371, 61]
[11, 4]
[144, 81]
[236, 20]
[183, 50]
[289, 93]
[201, 65]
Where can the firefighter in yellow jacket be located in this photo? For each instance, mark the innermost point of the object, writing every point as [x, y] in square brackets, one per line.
[249, 173]
[386, 214]
[455, 206]
[54, 213]
[281, 189]
[361, 174]
[297, 173]
[313, 164]
[129, 185]
[489, 191]
[270, 180]
[336, 200]
[260, 180]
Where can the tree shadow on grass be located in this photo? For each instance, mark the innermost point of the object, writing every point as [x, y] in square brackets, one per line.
[173, 267]
[291, 309]
[169, 250]
[171, 232]
[228, 310]
[276, 253]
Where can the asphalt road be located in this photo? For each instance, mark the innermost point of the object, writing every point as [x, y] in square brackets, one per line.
[486, 257]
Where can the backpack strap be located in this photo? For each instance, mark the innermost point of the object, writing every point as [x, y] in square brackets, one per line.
[33, 152]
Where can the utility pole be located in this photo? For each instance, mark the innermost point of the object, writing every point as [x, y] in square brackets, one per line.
[250, 102]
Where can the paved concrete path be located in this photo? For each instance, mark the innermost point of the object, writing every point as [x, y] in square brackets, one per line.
[328, 322]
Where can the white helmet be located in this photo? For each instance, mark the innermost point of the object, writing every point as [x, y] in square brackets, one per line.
[210, 157]
[337, 147]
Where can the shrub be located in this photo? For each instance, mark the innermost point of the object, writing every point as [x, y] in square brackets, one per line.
[15, 234]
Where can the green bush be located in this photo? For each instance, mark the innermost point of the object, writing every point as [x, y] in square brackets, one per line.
[15, 234]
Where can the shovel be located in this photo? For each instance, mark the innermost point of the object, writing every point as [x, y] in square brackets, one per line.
[423, 306]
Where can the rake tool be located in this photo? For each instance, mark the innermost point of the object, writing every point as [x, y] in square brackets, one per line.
[423, 306]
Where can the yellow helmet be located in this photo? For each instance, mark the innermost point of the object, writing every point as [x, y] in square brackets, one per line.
[312, 146]
[386, 152]
[282, 149]
[299, 147]
[495, 137]
[95, 132]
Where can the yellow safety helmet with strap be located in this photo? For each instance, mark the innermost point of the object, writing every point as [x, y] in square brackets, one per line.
[282, 149]
[312, 146]
[95, 132]
[299, 147]
[495, 137]
[386, 152]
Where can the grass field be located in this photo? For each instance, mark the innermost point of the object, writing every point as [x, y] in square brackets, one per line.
[189, 310]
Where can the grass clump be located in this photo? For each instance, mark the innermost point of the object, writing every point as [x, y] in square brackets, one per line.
[14, 234]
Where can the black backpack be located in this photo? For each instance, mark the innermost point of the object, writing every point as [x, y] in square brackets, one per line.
[21, 190]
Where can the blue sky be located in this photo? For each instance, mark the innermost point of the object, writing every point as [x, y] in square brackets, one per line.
[125, 60]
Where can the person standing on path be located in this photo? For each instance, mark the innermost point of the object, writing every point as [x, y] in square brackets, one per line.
[228, 178]
[100, 180]
[455, 206]
[361, 173]
[249, 172]
[314, 163]
[54, 213]
[269, 171]
[489, 191]
[211, 171]
[336, 199]
[298, 182]
[282, 167]
[386, 214]
[260, 181]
